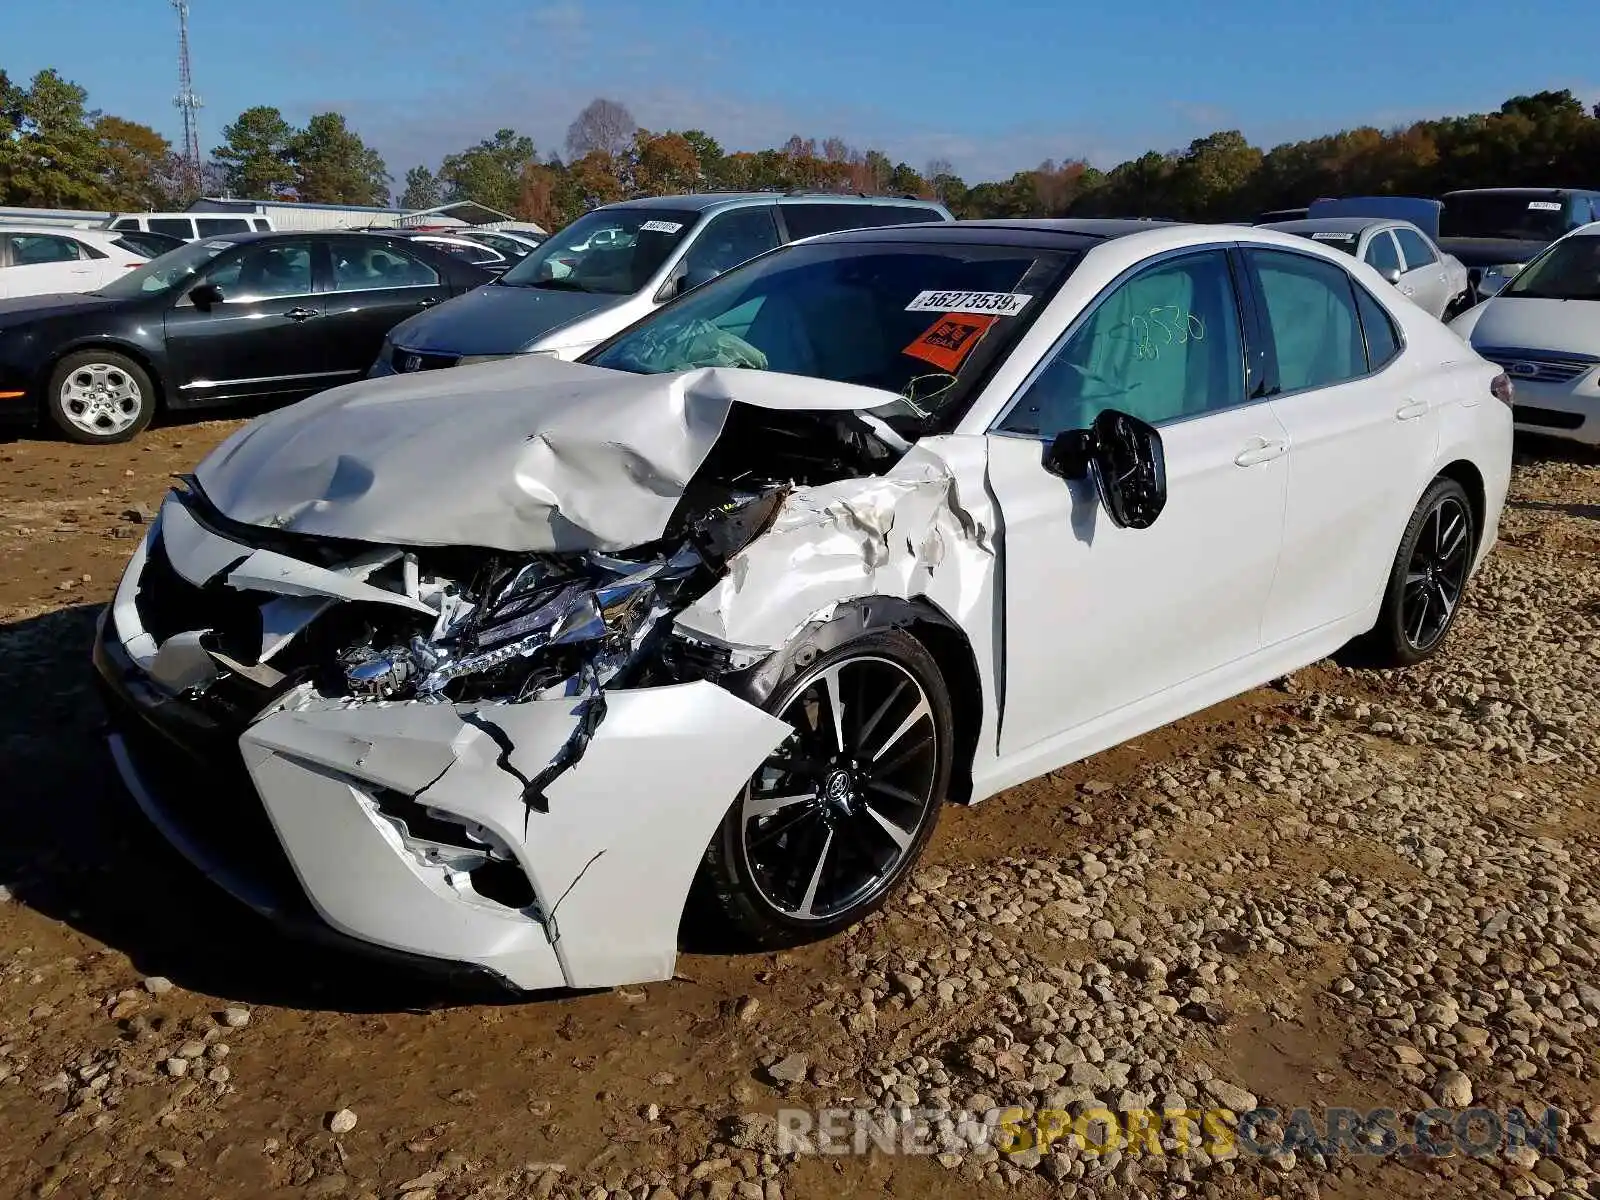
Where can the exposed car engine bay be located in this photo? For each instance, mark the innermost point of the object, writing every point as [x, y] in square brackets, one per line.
[470, 625]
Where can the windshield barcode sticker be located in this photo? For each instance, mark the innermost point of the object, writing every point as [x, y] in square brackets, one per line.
[1333, 237]
[999, 304]
[1544, 205]
[661, 227]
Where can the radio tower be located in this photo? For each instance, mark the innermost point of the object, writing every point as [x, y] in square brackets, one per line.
[187, 102]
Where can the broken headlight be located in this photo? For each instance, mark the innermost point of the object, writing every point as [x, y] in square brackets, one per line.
[550, 625]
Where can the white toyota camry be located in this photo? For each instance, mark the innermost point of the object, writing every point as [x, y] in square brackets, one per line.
[491, 667]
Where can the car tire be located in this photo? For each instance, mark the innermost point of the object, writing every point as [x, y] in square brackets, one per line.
[1428, 579]
[99, 397]
[851, 827]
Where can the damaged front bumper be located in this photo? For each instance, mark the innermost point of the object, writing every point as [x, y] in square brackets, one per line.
[407, 826]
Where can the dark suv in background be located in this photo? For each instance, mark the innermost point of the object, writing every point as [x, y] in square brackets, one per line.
[619, 263]
[1495, 231]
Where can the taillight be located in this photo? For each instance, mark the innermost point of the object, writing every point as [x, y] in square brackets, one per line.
[1501, 388]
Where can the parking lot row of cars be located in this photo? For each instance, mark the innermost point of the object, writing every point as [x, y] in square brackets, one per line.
[97, 338]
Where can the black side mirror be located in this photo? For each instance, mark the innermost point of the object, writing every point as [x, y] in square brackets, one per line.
[205, 295]
[1124, 457]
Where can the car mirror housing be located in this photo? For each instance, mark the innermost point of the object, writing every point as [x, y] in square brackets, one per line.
[205, 295]
[1393, 275]
[1124, 457]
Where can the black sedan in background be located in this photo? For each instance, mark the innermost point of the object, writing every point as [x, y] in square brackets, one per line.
[269, 316]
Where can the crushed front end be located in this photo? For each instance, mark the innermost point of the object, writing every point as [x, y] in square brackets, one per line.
[493, 759]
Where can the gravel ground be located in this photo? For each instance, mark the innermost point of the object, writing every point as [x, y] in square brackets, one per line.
[1351, 889]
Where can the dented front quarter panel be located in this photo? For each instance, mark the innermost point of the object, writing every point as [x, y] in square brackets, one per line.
[928, 530]
[611, 862]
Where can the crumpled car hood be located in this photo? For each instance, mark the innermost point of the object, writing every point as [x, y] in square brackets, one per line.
[534, 454]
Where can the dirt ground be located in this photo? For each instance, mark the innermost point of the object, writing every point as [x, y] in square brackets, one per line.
[459, 1095]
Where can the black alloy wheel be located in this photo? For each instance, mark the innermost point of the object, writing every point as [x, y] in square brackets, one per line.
[1428, 579]
[837, 816]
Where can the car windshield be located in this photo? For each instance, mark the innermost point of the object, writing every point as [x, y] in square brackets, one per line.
[169, 271]
[920, 320]
[1569, 270]
[614, 251]
[1339, 241]
[1505, 215]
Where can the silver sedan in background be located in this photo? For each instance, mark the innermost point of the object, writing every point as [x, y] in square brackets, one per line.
[1400, 252]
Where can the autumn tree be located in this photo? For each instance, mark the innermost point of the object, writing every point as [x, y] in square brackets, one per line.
[421, 189]
[904, 181]
[595, 179]
[140, 171]
[49, 154]
[255, 154]
[1211, 173]
[544, 196]
[605, 126]
[490, 172]
[332, 165]
[708, 153]
[664, 163]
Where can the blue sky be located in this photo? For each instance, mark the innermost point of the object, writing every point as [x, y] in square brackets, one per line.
[994, 87]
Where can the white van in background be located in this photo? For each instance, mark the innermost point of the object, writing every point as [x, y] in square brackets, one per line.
[191, 227]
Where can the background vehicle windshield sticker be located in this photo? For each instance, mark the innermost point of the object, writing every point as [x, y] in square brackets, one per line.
[661, 227]
[1333, 237]
[1000, 304]
[1544, 205]
[949, 340]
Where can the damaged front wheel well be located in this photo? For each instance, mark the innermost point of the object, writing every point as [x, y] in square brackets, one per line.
[940, 636]
[950, 649]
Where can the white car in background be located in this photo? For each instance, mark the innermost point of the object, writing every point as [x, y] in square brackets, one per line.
[42, 260]
[488, 666]
[1543, 328]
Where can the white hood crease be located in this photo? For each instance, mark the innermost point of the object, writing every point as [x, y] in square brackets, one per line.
[529, 455]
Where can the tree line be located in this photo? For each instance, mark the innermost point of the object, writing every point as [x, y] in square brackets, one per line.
[56, 152]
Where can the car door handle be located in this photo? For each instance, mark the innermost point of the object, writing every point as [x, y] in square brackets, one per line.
[1260, 450]
[1407, 291]
[1411, 410]
[427, 302]
[301, 314]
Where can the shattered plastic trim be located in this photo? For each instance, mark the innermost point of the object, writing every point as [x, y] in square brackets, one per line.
[610, 863]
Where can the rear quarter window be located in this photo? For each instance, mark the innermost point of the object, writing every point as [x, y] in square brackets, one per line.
[214, 226]
[178, 227]
[808, 220]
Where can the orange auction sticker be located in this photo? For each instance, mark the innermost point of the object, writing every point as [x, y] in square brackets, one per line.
[950, 339]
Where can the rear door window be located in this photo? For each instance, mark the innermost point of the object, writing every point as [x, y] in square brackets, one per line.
[359, 267]
[1311, 313]
[1417, 252]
